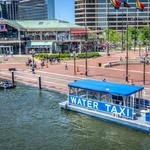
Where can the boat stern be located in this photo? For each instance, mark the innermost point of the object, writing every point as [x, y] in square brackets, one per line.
[64, 105]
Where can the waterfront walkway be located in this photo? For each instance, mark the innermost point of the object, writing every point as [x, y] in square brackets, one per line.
[55, 77]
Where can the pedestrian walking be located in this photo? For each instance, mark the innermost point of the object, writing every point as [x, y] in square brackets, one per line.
[42, 64]
[66, 66]
[46, 65]
[11, 53]
[121, 59]
[33, 69]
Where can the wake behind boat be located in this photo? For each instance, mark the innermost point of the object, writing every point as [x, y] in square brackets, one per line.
[119, 103]
[6, 84]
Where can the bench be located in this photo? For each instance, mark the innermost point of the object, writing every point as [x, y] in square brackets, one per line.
[112, 63]
[115, 63]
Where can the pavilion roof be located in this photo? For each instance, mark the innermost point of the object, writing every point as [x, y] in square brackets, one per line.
[41, 25]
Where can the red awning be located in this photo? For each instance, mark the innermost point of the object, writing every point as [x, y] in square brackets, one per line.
[78, 31]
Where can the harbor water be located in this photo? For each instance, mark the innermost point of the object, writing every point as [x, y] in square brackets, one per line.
[32, 120]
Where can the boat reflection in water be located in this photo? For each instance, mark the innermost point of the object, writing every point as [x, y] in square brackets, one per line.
[119, 103]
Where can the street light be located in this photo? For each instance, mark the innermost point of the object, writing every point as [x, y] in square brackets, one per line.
[86, 63]
[140, 44]
[74, 58]
[144, 68]
[33, 64]
[127, 57]
[108, 54]
[33, 53]
[86, 49]
[145, 61]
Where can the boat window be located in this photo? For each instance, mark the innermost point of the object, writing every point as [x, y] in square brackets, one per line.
[117, 100]
[72, 91]
[142, 104]
[93, 95]
[82, 93]
[105, 97]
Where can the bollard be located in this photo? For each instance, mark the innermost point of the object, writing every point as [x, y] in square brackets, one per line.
[40, 87]
[12, 75]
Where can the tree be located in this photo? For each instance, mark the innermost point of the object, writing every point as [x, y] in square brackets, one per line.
[143, 34]
[114, 36]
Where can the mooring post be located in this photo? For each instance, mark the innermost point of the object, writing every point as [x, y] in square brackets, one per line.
[40, 87]
[12, 76]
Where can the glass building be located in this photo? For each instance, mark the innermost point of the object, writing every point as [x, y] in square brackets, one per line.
[9, 9]
[98, 15]
[36, 9]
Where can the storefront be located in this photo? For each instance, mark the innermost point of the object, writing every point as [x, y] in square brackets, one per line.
[49, 36]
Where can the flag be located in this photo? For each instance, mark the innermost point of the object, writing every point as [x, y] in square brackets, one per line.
[116, 3]
[126, 4]
[139, 5]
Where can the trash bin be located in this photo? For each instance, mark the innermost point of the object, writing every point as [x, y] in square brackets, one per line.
[12, 69]
[99, 64]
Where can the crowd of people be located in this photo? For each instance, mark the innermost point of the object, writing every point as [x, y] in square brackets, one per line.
[43, 63]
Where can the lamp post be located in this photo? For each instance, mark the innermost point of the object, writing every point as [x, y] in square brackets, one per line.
[86, 49]
[140, 44]
[33, 64]
[144, 68]
[74, 60]
[148, 25]
[33, 53]
[86, 38]
[145, 61]
[108, 27]
[127, 57]
[59, 56]
[86, 62]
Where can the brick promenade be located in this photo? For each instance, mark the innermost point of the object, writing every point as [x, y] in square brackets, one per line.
[55, 76]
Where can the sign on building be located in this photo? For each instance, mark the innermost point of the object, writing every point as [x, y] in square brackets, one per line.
[3, 28]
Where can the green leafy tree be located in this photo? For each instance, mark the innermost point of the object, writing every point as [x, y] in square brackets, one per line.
[143, 34]
[114, 36]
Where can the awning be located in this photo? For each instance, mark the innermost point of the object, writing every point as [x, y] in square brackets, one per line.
[78, 31]
[41, 44]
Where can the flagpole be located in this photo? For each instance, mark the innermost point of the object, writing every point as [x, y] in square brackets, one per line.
[108, 27]
[116, 19]
[127, 55]
[135, 28]
[137, 24]
[149, 25]
[122, 31]
[86, 43]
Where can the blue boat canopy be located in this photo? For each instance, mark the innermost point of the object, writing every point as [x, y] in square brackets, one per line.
[108, 87]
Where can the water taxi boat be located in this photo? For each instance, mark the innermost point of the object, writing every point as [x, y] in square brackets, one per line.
[115, 102]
